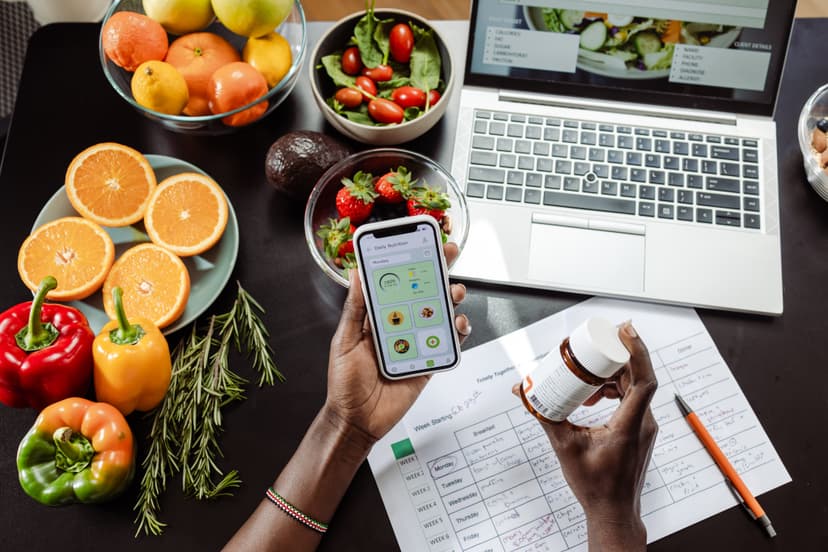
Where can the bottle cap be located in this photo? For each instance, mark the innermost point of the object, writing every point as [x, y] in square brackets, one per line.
[596, 345]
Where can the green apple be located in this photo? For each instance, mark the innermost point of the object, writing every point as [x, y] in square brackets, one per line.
[180, 16]
[252, 18]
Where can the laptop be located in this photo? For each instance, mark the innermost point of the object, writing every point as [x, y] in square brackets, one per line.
[625, 148]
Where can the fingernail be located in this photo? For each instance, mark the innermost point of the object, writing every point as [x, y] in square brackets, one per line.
[629, 330]
[351, 274]
[466, 327]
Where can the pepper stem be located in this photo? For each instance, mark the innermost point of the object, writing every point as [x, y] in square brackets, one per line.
[73, 451]
[125, 333]
[37, 335]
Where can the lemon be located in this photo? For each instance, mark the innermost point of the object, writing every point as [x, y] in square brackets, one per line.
[159, 86]
[252, 17]
[180, 16]
[270, 55]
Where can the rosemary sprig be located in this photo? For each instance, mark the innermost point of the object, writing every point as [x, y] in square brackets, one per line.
[184, 436]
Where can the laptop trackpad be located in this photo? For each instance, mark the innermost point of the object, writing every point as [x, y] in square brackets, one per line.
[586, 259]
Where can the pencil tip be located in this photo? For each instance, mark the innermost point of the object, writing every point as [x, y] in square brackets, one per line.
[770, 530]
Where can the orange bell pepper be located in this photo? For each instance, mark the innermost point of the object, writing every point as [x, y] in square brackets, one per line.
[131, 362]
[76, 451]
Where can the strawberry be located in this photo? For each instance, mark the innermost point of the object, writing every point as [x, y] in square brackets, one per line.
[395, 186]
[337, 237]
[428, 201]
[356, 199]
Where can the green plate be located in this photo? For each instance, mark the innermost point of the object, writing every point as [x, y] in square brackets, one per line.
[209, 272]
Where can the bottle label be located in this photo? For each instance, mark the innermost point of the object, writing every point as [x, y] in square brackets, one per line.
[554, 391]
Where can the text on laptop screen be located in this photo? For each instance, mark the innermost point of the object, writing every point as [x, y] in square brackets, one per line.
[718, 54]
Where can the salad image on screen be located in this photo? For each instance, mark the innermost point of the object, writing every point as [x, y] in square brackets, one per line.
[625, 46]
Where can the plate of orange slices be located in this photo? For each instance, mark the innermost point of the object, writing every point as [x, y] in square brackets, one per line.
[171, 281]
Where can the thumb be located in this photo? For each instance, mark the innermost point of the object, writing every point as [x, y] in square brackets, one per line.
[351, 322]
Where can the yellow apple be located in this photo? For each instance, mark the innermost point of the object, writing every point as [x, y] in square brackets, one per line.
[270, 55]
[252, 17]
[180, 16]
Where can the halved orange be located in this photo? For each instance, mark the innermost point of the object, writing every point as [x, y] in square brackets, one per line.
[155, 284]
[110, 184]
[76, 251]
[187, 214]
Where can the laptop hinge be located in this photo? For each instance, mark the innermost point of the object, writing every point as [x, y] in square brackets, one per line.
[509, 96]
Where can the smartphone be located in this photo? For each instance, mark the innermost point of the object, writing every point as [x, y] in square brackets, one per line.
[405, 283]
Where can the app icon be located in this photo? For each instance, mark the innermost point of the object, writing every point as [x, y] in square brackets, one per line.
[426, 312]
[401, 346]
[429, 363]
[432, 341]
[396, 318]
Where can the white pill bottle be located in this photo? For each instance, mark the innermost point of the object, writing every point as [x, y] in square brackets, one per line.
[565, 378]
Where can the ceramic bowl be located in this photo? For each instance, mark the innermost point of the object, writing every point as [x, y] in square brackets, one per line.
[335, 40]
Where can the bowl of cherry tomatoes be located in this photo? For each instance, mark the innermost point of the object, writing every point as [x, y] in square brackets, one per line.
[382, 77]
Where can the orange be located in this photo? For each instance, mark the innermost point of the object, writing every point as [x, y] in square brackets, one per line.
[129, 39]
[197, 56]
[110, 184]
[187, 214]
[233, 86]
[154, 281]
[76, 251]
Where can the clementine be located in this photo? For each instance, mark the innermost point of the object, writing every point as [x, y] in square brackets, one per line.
[187, 214]
[129, 39]
[110, 183]
[233, 86]
[155, 284]
[75, 250]
[197, 56]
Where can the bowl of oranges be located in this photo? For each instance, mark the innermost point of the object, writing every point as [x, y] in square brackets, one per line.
[203, 66]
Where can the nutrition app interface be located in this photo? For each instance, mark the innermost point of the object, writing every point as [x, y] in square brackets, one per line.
[407, 299]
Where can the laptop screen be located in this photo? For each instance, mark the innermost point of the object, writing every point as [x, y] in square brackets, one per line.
[724, 55]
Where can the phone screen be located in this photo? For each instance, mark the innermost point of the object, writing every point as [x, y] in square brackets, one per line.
[413, 321]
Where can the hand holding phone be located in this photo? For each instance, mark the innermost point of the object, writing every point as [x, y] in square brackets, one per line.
[404, 279]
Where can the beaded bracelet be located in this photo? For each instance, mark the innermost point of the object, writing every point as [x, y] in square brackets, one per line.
[294, 512]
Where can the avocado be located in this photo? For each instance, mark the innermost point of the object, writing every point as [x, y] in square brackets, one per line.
[297, 159]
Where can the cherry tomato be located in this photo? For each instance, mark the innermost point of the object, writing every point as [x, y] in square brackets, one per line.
[408, 96]
[401, 42]
[351, 62]
[348, 97]
[368, 86]
[433, 97]
[380, 73]
[385, 111]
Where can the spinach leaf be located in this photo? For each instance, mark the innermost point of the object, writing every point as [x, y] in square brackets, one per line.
[425, 60]
[396, 81]
[360, 116]
[333, 66]
[382, 35]
[412, 113]
[364, 39]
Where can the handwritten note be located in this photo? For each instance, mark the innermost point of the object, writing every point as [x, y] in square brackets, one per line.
[468, 469]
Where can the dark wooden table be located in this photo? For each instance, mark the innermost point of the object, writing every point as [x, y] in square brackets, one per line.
[65, 104]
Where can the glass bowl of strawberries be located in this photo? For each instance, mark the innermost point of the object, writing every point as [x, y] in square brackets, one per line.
[378, 184]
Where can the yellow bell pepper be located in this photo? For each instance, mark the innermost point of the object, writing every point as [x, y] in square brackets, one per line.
[131, 362]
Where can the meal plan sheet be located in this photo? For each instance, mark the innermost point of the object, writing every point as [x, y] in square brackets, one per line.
[469, 469]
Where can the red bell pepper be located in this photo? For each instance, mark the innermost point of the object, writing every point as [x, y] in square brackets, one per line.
[45, 352]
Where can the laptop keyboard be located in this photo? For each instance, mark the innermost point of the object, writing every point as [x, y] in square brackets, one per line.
[646, 172]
